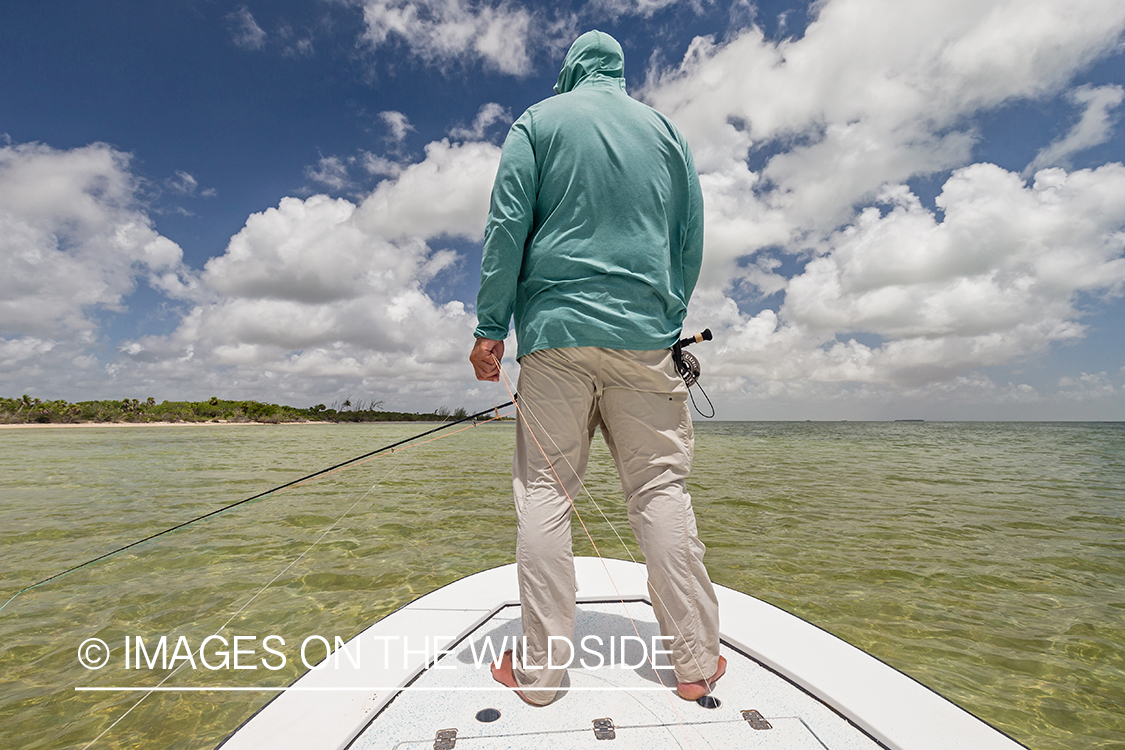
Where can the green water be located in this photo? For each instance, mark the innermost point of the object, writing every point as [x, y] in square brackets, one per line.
[987, 560]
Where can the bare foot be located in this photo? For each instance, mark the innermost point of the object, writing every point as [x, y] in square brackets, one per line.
[503, 674]
[693, 691]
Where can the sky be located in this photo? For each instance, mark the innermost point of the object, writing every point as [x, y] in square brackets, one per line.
[914, 209]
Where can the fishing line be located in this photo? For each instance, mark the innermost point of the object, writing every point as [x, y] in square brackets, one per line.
[244, 606]
[523, 405]
[582, 486]
[584, 489]
[690, 369]
[223, 627]
[315, 474]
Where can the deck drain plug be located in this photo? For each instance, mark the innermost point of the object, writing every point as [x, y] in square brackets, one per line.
[488, 715]
[709, 701]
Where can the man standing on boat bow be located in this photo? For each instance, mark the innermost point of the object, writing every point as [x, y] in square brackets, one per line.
[594, 243]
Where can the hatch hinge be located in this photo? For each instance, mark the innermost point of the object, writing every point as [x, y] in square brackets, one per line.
[756, 720]
[445, 739]
[603, 729]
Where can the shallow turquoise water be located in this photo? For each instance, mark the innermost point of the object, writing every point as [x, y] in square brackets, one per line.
[986, 560]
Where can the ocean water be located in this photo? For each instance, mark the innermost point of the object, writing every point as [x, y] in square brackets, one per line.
[986, 560]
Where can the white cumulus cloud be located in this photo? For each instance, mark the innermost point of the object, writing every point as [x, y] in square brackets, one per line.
[644, 8]
[73, 238]
[1094, 128]
[330, 171]
[442, 32]
[397, 123]
[996, 279]
[74, 243]
[827, 281]
[1087, 387]
[320, 292]
[445, 193]
[245, 31]
[875, 93]
[489, 115]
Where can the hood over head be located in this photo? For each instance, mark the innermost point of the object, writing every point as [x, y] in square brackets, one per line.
[593, 53]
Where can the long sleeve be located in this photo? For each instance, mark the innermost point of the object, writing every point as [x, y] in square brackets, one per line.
[510, 218]
[692, 258]
[595, 230]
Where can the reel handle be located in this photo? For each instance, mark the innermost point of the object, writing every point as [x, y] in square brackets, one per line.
[704, 335]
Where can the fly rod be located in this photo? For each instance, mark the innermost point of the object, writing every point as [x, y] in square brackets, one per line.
[342, 464]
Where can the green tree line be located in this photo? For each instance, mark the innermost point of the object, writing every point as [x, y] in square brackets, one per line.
[28, 410]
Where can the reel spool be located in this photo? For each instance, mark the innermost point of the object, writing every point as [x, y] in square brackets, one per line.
[689, 368]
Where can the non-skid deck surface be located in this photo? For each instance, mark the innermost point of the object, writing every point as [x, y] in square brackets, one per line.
[625, 689]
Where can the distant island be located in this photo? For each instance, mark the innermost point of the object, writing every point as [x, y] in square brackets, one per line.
[28, 410]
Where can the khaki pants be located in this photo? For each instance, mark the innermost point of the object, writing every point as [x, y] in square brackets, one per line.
[640, 404]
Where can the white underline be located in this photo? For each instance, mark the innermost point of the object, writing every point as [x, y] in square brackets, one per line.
[227, 689]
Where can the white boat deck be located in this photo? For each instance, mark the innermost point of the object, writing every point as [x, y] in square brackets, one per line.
[623, 688]
[387, 690]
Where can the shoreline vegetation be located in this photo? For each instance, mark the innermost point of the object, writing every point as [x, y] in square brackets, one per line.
[33, 411]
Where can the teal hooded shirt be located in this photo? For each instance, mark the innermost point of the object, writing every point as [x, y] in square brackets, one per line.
[595, 230]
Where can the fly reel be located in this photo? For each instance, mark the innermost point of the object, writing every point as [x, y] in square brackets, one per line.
[686, 363]
[689, 368]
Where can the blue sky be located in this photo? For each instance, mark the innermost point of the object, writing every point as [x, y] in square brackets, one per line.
[913, 209]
